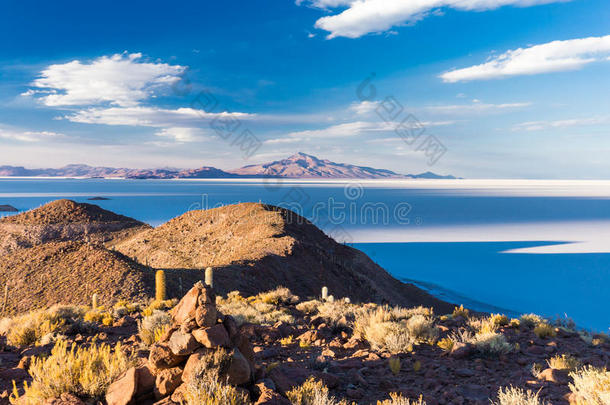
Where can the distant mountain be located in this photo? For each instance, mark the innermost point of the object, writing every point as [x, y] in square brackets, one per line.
[298, 166]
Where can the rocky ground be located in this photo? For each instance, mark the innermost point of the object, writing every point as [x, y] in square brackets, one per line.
[307, 342]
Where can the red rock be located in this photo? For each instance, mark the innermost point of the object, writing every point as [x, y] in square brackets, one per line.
[206, 315]
[123, 390]
[167, 381]
[146, 381]
[354, 393]
[162, 357]
[239, 370]
[186, 308]
[553, 375]
[461, 350]
[65, 399]
[245, 347]
[212, 337]
[270, 397]
[182, 344]
[231, 326]
[193, 364]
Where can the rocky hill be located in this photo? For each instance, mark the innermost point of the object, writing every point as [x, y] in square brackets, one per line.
[256, 247]
[64, 220]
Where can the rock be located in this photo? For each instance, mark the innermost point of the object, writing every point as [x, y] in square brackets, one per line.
[354, 393]
[474, 392]
[146, 381]
[231, 326]
[167, 381]
[553, 375]
[535, 349]
[123, 390]
[464, 372]
[461, 350]
[25, 362]
[212, 337]
[182, 344]
[270, 397]
[192, 365]
[162, 357]
[178, 395]
[186, 308]
[239, 370]
[205, 315]
[245, 347]
[65, 399]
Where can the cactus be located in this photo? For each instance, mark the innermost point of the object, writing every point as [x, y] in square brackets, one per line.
[347, 300]
[209, 277]
[94, 303]
[394, 365]
[330, 298]
[324, 293]
[160, 286]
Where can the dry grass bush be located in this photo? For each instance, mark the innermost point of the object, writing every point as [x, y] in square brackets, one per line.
[460, 311]
[591, 386]
[309, 307]
[156, 305]
[395, 329]
[312, 392]
[491, 344]
[152, 327]
[207, 388]
[82, 371]
[483, 325]
[31, 328]
[544, 330]
[280, 295]
[517, 396]
[252, 310]
[499, 319]
[530, 320]
[564, 362]
[397, 399]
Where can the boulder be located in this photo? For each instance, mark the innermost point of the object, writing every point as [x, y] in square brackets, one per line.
[231, 326]
[123, 390]
[554, 375]
[182, 344]
[192, 364]
[239, 370]
[461, 350]
[212, 337]
[146, 381]
[206, 315]
[162, 357]
[167, 381]
[185, 309]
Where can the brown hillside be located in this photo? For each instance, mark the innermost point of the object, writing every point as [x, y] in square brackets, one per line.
[255, 247]
[65, 220]
[70, 272]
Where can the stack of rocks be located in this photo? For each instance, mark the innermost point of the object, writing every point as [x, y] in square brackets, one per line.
[197, 331]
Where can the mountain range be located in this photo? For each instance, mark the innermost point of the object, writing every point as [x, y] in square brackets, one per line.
[299, 166]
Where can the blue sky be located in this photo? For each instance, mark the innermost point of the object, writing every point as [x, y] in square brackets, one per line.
[503, 88]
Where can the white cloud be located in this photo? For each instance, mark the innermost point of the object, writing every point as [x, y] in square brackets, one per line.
[150, 116]
[181, 134]
[121, 79]
[29, 136]
[553, 56]
[364, 107]
[372, 16]
[557, 124]
[476, 107]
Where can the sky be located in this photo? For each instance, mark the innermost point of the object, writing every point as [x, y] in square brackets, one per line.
[473, 88]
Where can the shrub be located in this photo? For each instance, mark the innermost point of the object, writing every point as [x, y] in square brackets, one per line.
[309, 307]
[591, 386]
[280, 295]
[30, 328]
[446, 344]
[312, 392]
[483, 325]
[206, 388]
[530, 320]
[397, 399]
[499, 320]
[251, 310]
[159, 306]
[564, 362]
[543, 330]
[80, 371]
[460, 311]
[491, 343]
[152, 327]
[517, 396]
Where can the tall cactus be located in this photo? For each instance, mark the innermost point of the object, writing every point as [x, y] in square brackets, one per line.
[160, 286]
[94, 303]
[324, 293]
[209, 277]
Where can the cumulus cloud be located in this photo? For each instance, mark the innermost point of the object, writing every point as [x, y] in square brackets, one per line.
[553, 56]
[372, 16]
[122, 79]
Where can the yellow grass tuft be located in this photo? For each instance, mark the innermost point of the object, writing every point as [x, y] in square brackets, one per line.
[591, 386]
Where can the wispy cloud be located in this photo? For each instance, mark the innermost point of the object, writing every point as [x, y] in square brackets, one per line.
[373, 16]
[29, 136]
[553, 56]
[574, 122]
[121, 79]
[476, 107]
